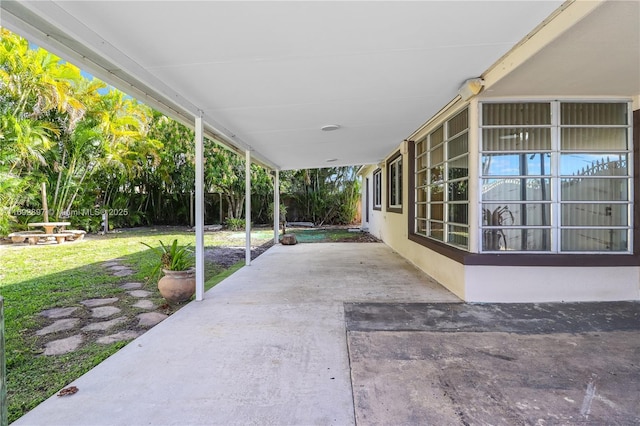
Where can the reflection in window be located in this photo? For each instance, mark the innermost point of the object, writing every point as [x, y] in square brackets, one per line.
[568, 194]
[377, 189]
[444, 155]
[395, 183]
[516, 164]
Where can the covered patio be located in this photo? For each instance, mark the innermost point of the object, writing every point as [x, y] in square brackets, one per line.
[343, 334]
[266, 346]
[324, 334]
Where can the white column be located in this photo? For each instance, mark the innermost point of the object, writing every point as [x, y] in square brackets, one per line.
[199, 208]
[276, 207]
[247, 208]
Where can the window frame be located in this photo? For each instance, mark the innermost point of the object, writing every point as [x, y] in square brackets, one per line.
[449, 157]
[377, 189]
[473, 258]
[394, 163]
[555, 227]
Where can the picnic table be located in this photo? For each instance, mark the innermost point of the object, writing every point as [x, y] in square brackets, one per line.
[49, 226]
[49, 233]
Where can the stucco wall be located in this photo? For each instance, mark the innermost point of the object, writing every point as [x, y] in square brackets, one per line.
[375, 224]
[474, 283]
[551, 284]
[392, 229]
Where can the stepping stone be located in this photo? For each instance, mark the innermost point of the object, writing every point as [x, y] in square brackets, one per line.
[150, 319]
[92, 303]
[118, 267]
[119, 336]
[104, 325]
[60, 325]
[123, 273]
[131, 286]
[58, 312]
[140, 293]
[104, 311]
[111, 263]
[63, 346]
[144, 304]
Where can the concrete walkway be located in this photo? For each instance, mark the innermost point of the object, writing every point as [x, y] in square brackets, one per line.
[268, 346]
[346, 333]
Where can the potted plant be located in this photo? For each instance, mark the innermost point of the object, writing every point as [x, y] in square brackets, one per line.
[494, 238]
[176, 262]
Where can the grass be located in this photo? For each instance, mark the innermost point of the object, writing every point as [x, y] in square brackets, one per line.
[36, 278]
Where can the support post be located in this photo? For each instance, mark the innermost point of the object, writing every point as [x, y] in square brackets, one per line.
[191, 213]
[3, 371]
[199, 187]
[276, 207]
[45, 207]
[247, 206]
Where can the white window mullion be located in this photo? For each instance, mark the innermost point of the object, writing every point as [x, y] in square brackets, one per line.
[556, 202]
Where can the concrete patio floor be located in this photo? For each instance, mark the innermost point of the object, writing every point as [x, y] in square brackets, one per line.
[346, 333]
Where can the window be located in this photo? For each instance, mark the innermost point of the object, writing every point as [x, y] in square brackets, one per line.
[442, 181]
[377, 190]
[367, 197]
[394, 181]
[555, 177]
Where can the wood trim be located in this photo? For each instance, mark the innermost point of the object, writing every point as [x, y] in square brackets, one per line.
[367, 200]
[373, 189]
[411, 187]
[391, 159]
[636, 182]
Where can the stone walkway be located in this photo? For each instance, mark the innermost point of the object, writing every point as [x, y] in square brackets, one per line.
[107, 323]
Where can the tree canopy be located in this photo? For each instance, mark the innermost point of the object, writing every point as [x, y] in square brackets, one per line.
[96, 148]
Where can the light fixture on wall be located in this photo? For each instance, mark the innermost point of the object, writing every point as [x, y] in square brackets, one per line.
[470, 88]
[330, 127]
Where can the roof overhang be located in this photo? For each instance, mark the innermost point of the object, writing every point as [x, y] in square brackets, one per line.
[266, 76]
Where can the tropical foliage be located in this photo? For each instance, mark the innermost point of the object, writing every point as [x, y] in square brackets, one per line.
[96, 149]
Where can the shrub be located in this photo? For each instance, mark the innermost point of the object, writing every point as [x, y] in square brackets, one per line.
[235, 224]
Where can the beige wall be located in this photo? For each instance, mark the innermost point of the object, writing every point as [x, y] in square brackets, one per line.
[551, 284]
[375, 226]
[493, 283]
[392, 229]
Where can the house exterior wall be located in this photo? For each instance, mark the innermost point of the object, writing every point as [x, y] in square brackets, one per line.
[550, 284]
[498, 274]
[392, 229]
[496, 282]
[375, 223]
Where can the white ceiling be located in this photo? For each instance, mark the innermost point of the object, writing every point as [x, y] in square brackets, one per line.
[268, 75]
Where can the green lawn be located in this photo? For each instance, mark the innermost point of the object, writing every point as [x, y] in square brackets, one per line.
[35, 278]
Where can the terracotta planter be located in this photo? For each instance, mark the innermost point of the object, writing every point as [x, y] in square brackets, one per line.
[177, 286]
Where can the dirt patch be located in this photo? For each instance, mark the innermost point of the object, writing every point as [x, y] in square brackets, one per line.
[229, 256]
[358, 237]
